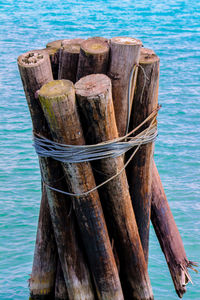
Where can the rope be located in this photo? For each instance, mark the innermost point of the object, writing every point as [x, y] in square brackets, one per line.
[68, 153]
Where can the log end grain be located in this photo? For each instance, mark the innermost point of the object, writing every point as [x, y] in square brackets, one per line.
[54, 44]
[56, 88]
[125, 41]
[94, 46]
[92, 85]
[32, 58]
[148, 56]
[77, 41]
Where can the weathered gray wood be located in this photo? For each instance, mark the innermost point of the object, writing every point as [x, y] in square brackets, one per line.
[96, 107]
[93, 58]
[124, 55]
[140, 168]
[35, 70]
[57, 99]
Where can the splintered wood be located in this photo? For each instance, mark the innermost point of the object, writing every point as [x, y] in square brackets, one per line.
[92, 243]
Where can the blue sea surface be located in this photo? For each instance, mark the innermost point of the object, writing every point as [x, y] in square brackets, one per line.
[172, 29]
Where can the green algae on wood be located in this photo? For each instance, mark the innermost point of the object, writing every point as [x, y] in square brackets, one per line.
[61, 114]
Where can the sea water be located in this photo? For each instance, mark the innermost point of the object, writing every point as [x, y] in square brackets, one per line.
[172, 29]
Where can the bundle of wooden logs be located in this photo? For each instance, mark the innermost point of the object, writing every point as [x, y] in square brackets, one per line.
[95, 245]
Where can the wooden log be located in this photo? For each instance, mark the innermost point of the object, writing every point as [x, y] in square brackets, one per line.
[57, 99]
[53, 49]
[124, 55]
[72, 41]
[35, 70]
[169, 236]
[54, 44]
[93, 58]
[42, 279]
[60, 286]
[68, 60]
[140, 168]
[95, 100]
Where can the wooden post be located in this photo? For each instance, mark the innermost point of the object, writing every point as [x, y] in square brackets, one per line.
[124, 55]
[93, 58]
[140, 168]
[169, 236]
[96, 107]
[60, 286]
[68, 61]
[58, 102]
[53, 49]
[35, 70]
[42, 280]
[77, 41]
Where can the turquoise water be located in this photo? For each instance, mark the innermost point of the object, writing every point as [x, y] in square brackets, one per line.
[172, 29]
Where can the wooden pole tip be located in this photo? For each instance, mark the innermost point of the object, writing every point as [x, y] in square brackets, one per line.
[56, 88]
[54, 44]
[76, 41]
[32, 58]
[129, 41]
[94, 46]
[92, 85]
[148, 56]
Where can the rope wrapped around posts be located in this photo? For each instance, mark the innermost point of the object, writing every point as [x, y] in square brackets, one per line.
[84, 153]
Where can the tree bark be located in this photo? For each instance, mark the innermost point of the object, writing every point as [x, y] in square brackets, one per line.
[58, 102]
[124, 55]
[68, 61]
[96, 107]
[93, 58]
[35, 71]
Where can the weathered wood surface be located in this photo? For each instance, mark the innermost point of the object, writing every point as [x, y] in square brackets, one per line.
[35, 70]
[42, 279]
[53, 49]
[93, 58]
[58, 102]
[72, 41]
[139, 171]
[60, 285]
[98, 120]
[68, 60]
[124, 55]
[169, 236]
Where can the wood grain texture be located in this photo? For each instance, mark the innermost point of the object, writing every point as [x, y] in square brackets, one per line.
[58, 102]
[168, 235]
[60, 285]
[93, 58]
[68, 60]
[98, 120]
[140, 168]
[35, 70]
[124, 54]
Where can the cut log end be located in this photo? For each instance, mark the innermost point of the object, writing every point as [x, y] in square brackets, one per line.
[77, 41]
[55, 44]
[71, 48]
[94, 46]
[56, 88]
[32, 58]
[93, 85]
[126, 41]
[148, 56]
